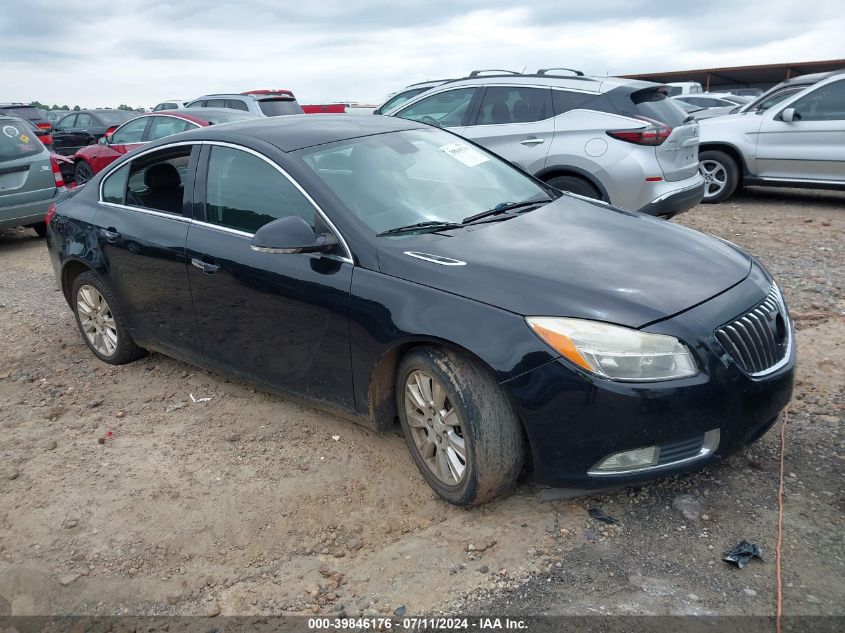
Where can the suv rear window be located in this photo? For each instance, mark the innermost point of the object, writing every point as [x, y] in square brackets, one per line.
[276, 107]
[653, 103]
[26, 111]
[17, 140]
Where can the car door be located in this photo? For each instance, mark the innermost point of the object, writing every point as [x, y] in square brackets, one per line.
[278, 318]
[127, 137]
[143, 228]
[448, 108]
[81, 134]
[517, 123]
[62, 135]
[812, 145]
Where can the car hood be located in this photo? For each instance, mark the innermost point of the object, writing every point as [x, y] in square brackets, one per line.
[573, 258]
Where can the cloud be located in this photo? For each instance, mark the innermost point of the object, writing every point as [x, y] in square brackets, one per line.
[141, 53]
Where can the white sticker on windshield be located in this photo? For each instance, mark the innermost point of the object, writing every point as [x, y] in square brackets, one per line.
[468, 155]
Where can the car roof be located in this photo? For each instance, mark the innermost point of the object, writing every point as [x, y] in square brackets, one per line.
[577, 82]
[296, 131]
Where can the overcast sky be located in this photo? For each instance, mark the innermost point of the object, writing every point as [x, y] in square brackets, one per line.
[107, 52]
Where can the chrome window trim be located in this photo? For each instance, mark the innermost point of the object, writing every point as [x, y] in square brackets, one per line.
[112, 169]
[161, 214]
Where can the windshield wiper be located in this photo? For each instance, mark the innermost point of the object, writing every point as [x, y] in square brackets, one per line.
[419, 227]
[504, 207]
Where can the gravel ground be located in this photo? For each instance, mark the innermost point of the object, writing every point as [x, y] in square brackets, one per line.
[252, 504]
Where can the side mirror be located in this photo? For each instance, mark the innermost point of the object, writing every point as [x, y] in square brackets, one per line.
[789, 115]
[291, 235]
[103, 141]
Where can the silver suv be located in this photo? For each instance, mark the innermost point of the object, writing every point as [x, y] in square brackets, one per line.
[619, 140]
[260, 102]
[796, 141]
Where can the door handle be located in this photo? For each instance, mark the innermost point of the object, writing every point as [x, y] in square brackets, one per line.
[208, 269]
[110, 234]
[532, 140]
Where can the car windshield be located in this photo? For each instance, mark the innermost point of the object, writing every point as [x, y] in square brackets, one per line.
[403, 178]
[17, 140]
[277, 107]
[114, 118]
[398, 99]
[772, 100]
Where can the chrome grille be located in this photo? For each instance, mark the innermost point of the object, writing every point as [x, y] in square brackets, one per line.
[758, 340]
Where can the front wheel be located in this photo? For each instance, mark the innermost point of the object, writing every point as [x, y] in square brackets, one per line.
[720, 173]
[82, 172]
[102, 326]
[461, 430]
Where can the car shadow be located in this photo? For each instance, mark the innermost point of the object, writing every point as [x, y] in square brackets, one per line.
[813, 198]
[18, 238]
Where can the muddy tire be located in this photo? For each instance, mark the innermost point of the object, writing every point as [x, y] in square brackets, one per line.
[461, 429]
[576, 185]
[100, 322]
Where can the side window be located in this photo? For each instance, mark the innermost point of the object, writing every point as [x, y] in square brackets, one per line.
[399, 99]
[233, 200]
[156, 181]
[446, 109]
[823, 104]
[215, 103]
[514, 105]
[566, 100]
[67, 122]
[83, 120]
[200, 103]
[162, 126]
[236, 104]
[114, 186]
[130, 132]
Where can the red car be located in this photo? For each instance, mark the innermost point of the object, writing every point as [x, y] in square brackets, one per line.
[149, 127]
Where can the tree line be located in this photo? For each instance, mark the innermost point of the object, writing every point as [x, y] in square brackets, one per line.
[76, 108]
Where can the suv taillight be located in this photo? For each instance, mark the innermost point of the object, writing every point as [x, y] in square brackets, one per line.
[51, 211]
[57, 173]
[653, 134]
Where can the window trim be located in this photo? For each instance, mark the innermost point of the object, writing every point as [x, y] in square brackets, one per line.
[182, 218]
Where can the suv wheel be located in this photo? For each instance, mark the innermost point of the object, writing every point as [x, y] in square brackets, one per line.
[102, 326]
[721, 175]
[461, 430]
[574, 184]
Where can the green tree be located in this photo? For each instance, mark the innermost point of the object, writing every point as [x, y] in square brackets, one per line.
[76, 108]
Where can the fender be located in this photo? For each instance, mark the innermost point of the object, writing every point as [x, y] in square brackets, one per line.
[547, 172]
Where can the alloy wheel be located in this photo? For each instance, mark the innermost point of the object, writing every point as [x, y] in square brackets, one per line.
[97, 320]
[715, 177]
[435, 427]
[82, 173]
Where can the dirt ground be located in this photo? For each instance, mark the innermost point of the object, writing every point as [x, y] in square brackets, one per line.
[247, 503]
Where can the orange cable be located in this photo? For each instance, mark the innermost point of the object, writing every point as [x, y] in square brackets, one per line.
[779, 610]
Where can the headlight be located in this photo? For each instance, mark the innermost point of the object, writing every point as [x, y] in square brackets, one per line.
[615, 352]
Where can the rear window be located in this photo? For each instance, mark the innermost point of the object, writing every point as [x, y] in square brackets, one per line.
[276, 107]
[17, 140]
[653, 104]
[30, 112]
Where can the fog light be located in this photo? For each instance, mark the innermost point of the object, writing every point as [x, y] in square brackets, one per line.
[630, 460]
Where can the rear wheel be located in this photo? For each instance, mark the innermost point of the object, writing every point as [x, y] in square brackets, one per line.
[720, 173]
[575, 184]
[82, 172]
[461, 429]
[102, 326]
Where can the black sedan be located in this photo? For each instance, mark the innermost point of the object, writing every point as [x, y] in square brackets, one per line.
[393, 271]
[87, 127]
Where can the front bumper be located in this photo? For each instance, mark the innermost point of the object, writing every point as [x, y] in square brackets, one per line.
[575, 420]
[677, 201]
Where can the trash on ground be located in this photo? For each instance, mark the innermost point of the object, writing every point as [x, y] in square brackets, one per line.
[336, 438]
[742, 553]
[199, 399]
[108, 437]
[598, 515]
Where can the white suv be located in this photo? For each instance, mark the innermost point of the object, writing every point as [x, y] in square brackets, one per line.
[619, 140]
[798, 141]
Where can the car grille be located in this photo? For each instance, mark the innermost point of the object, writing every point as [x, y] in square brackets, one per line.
[758, 340]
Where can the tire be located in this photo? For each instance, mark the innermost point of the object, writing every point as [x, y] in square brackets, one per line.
[574, 184]
[478, 414]
[40, 228]
[721, 175]
[82, 172]
[116, 346]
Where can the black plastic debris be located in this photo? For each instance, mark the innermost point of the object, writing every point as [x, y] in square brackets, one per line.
[598, 515]
[742, 553]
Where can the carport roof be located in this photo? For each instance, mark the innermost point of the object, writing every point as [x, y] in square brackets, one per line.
[765, 75]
